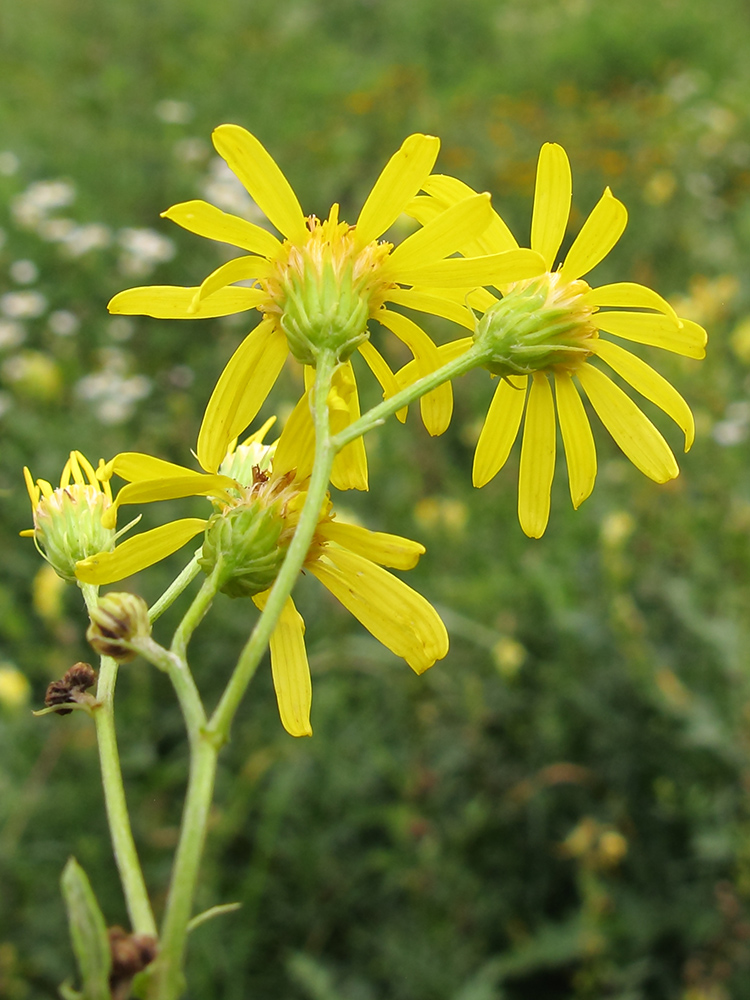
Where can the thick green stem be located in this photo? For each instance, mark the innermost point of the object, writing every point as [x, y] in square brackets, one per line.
[473, 358]
[325, 452]
[126, 856]
[168, 979]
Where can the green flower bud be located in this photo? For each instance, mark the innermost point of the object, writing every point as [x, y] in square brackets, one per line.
[68, 520]
[117, 623]
[539, 324]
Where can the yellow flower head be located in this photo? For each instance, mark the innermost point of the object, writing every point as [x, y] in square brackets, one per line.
[70, 522]
[319, 284]
[547, 329]
[256, 506]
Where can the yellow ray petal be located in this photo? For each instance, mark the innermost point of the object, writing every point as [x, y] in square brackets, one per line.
[500, 429]
[33, 490]
[206, 220]
[139, 552]
[496, 238]
[249, 160]
[442, 236]
[599, 233]
[259, 435]
[239, 269]
[395, 614]
[631, 429]
[578, 441]
[629, 294]
[537, 458]
[175, 302]
[350, 465]
[240, 391]
[470, 272]
[135, 466]
[295, 448]
[424, 209]
[683, 337]
[401, 178]
[173, 488]
[479, 299]
[377, 546]
[434, 305]
[436, 406]
[650, 384]
[290, 669]
[382, 372]
[552, 194]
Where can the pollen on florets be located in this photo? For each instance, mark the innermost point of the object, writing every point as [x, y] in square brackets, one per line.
[539, 324]
[325, 290]
[68, 520]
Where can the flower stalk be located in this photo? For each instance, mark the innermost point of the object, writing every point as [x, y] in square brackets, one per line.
[126, 855]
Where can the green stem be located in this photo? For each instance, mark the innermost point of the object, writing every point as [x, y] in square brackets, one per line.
[325, 452]
[126, 856]
[174, 590]
[473, 358]
[168, 980]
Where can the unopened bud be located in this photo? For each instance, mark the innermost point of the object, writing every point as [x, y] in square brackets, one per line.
[117, 623]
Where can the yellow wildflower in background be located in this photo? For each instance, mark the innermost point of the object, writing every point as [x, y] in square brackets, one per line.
[320, 284]
[546, 330]
[258, 497]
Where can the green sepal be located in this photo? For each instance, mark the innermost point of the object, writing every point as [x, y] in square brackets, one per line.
[88, 932]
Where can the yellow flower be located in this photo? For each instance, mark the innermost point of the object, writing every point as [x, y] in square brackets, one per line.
[70, 522]
[257, 498]
[547, 329]
[319, 285]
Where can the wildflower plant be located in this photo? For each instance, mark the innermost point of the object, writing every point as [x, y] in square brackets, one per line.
[269, 513]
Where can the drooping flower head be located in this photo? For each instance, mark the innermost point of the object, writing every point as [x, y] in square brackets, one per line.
[547, 330]
[256, 499]
[70, 522]
[319, 284]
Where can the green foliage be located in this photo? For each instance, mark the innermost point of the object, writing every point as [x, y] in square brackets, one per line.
[88, 932]
[559, 809]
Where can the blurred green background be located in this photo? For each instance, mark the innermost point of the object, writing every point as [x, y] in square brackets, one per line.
[561, 808]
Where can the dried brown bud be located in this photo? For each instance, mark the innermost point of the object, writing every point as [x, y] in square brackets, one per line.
[117, 620]
[131, 953]
[70, 688]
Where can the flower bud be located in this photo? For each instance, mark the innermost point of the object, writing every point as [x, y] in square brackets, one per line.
[117, 622]
[68, 520]
[538, 324]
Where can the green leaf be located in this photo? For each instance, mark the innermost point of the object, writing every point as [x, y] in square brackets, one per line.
[88, 932]
[214, 911]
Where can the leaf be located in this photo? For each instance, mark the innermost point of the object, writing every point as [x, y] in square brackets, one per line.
[88, 932]
[214, 911]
